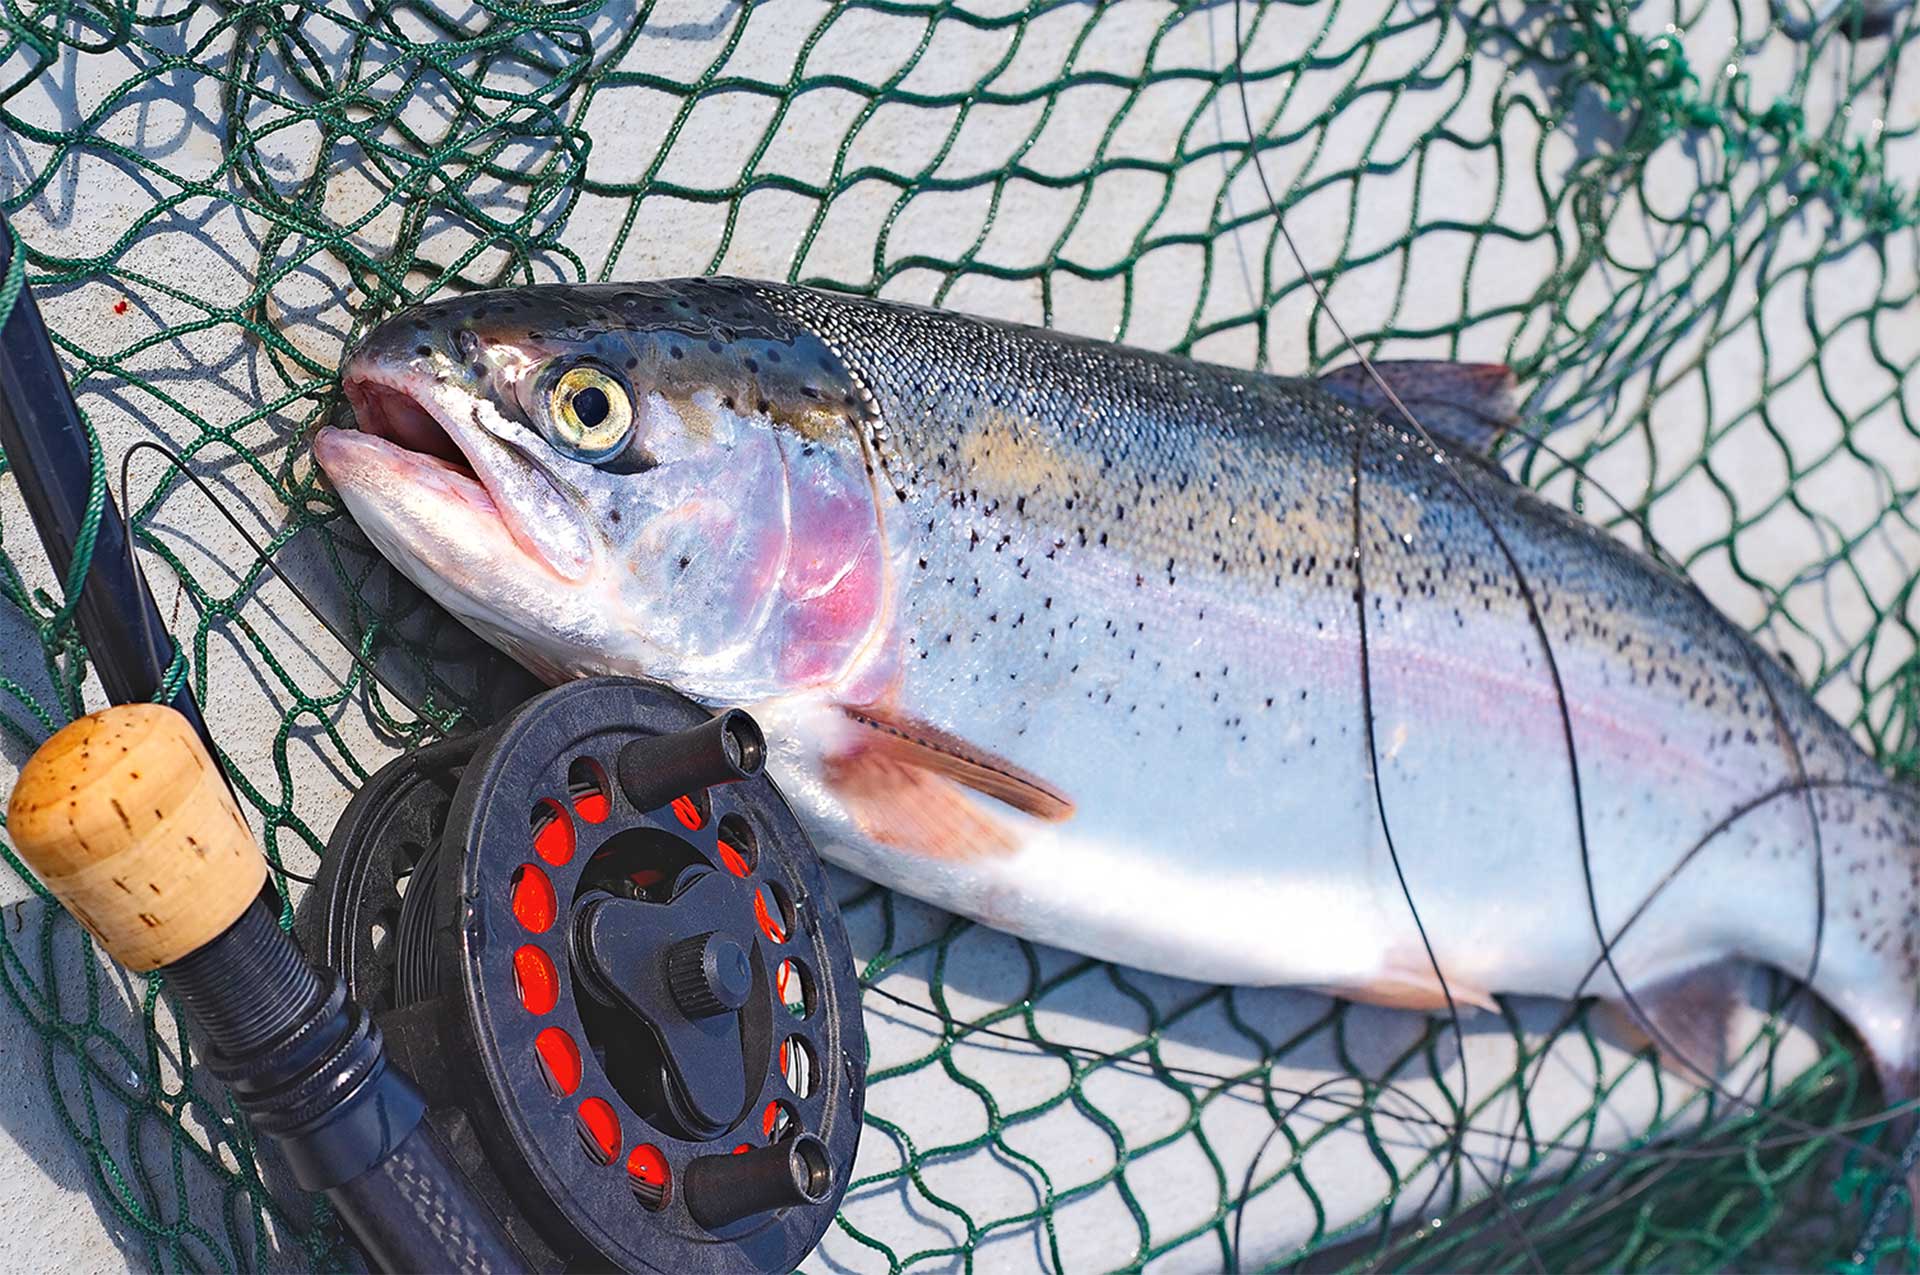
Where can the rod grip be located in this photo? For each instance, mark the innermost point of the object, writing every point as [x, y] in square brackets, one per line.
[129, 823]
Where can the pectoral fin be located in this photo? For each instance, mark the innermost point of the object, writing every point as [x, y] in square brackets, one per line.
[1465, 405]
[1407, 981]
[915, 810]
[905, 783]
[921, 746]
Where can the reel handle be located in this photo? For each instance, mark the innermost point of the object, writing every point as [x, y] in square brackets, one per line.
[128, 822]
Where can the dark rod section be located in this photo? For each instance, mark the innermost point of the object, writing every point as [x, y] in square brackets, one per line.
[309, 1068]
[46, 446]
[412, 1214]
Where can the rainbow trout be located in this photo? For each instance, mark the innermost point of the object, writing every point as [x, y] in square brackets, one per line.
[1212, 673]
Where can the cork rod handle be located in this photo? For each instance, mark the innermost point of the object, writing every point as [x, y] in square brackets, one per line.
[126, 820]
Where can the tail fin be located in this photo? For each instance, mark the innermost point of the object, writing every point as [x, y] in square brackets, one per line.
[1899, 1089]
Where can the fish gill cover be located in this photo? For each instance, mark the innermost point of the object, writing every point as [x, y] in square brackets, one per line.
[1690, 228]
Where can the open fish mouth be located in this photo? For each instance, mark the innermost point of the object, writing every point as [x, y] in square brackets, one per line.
[423, 442]
[387, 411]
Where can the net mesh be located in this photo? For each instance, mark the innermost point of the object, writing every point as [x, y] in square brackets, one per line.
[1689, 227]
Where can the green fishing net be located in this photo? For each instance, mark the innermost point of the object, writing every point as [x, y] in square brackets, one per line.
[1690, 227]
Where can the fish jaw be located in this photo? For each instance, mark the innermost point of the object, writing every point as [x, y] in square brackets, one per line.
[444, 531]
[421, 405]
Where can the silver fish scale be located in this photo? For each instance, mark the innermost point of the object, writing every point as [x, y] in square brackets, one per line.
[1116, 545]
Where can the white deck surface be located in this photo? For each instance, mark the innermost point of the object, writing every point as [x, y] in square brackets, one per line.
[49, 1216]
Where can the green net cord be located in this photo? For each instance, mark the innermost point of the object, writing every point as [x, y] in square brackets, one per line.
[1692, 233]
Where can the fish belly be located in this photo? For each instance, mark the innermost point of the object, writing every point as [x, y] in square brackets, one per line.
[1227, 825]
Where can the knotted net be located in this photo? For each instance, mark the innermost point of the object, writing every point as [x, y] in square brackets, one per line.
[1690, 228]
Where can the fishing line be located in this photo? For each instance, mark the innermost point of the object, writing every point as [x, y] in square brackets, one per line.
[1361, 427]
[1386, 829]
[1370, 1109]
[1742, 643]
[1537, 621]
[1221, 1083]
[1801, 782]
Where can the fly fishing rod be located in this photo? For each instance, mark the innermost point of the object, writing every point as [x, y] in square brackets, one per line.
[634, 1020]
[127, 819]
[63, 482]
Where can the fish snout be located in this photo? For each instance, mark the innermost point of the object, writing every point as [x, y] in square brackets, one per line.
[428, 339]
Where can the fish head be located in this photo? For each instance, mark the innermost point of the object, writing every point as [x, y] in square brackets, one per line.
[666, 480]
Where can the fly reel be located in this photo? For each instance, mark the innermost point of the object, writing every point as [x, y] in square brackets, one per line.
[598, 939]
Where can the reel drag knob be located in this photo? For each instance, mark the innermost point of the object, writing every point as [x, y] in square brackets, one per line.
[708, 974]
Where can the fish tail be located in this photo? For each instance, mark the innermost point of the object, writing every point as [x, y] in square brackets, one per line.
[1900, 1089]
[1880, 995]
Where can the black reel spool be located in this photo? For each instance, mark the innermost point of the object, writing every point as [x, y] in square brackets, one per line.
[598, 939]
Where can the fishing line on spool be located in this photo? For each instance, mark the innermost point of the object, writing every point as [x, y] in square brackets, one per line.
[1536, 618]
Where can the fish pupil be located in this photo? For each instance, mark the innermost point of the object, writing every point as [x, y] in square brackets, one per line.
[590, 406]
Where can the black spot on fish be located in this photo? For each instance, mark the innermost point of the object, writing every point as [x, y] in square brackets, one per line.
[423, 350]
[613, 515]
[685, 561]
[753, 365]
[632, 363]
[676, 352]
[715, 346]
[773, 356]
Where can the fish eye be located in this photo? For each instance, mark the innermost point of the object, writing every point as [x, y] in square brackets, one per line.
[589, 413]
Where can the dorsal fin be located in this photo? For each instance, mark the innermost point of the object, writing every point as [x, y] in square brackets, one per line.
[1464, 405]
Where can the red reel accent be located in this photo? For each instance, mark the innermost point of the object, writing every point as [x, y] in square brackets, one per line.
[688, 814]
[533, 903]
[560, 1059]
[599, 1129]
[535, 980]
